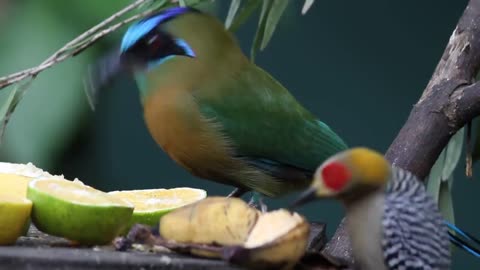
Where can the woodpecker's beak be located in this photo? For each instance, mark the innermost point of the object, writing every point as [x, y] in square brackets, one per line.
[307, 196]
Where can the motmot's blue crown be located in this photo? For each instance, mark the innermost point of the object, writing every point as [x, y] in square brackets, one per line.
[147, 44]
[140, 29]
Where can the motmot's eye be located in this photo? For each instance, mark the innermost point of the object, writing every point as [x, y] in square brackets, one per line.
[156, 46]
[153, 46]
[154, 43]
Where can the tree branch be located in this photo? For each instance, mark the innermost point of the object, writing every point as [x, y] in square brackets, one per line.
[70, 49]
[76, 45]
[450, 100]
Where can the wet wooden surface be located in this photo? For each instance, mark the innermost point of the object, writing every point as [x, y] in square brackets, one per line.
[39, 251]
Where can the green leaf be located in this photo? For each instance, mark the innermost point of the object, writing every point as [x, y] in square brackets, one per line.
[440, 179]
[260, 29]
[274, 15]
[244, 13]
[232, 11]
[7, 105]
[159, 4]
[182, 3]
[445, 202]
[445, 165]
[453, 151]
[434, 179]
[153, 4]
[11, 103]
[306, 6]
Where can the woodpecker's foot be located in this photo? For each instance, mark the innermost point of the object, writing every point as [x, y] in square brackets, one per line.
[257, 202]
[237, 193]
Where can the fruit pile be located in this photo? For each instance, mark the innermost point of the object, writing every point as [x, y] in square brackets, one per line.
[187, 221]
[76, 211]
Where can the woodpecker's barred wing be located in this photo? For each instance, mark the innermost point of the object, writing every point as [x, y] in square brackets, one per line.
[415, 235]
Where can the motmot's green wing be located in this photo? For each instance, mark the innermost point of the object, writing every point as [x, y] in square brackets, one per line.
[266, 124]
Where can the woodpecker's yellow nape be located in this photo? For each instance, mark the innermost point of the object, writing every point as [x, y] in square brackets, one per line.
[368, 166]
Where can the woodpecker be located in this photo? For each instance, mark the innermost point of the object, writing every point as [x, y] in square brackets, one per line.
[391, 220]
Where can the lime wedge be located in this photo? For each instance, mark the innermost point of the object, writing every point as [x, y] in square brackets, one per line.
[14, 179]
[14, 215]
[76, 211]
[152, 204]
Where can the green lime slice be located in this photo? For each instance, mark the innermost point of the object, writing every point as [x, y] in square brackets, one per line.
[152, 204]
[77, 212]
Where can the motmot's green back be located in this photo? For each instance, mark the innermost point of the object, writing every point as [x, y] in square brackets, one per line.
[264, 120]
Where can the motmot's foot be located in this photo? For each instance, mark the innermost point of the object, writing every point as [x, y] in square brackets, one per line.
[257, 202]
[237, 193]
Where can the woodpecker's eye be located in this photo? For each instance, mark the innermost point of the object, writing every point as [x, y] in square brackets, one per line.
[335, 176]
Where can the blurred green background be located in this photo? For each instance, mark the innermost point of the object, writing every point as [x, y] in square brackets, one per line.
[359, 65]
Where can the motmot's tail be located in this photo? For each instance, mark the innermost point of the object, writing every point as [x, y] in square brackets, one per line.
[463, 240]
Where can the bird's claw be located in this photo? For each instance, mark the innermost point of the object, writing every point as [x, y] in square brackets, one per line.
[237, 193]
[257, 201]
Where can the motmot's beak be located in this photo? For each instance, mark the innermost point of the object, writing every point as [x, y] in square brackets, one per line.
[305, 197]
[101, 74]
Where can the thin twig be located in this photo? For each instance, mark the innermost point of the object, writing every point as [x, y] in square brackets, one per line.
[107, 31]
[88, 38]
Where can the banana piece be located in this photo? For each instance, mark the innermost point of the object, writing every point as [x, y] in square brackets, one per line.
[275, 240]
[219, 220]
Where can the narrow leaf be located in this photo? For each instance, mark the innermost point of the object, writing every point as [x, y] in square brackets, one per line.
[260, 29]
[232, 12]
[8, 104]
[244, 13]
[445, 165]
[306, 6]
[453, 151]
[151, 3]
[274, 15]
[156, 5]
[434, 179]
[445, 202]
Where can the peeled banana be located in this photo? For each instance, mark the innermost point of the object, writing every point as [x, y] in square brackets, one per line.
[228, 228]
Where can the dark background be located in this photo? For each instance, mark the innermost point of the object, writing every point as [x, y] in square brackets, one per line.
[360, 66]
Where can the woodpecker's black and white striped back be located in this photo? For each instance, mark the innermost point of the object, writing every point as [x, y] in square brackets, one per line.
[414, 233]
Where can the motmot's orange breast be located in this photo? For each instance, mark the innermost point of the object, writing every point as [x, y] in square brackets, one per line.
[174, 121]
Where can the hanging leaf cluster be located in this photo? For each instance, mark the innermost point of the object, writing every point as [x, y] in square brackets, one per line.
[440, 179]
[271, 12]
